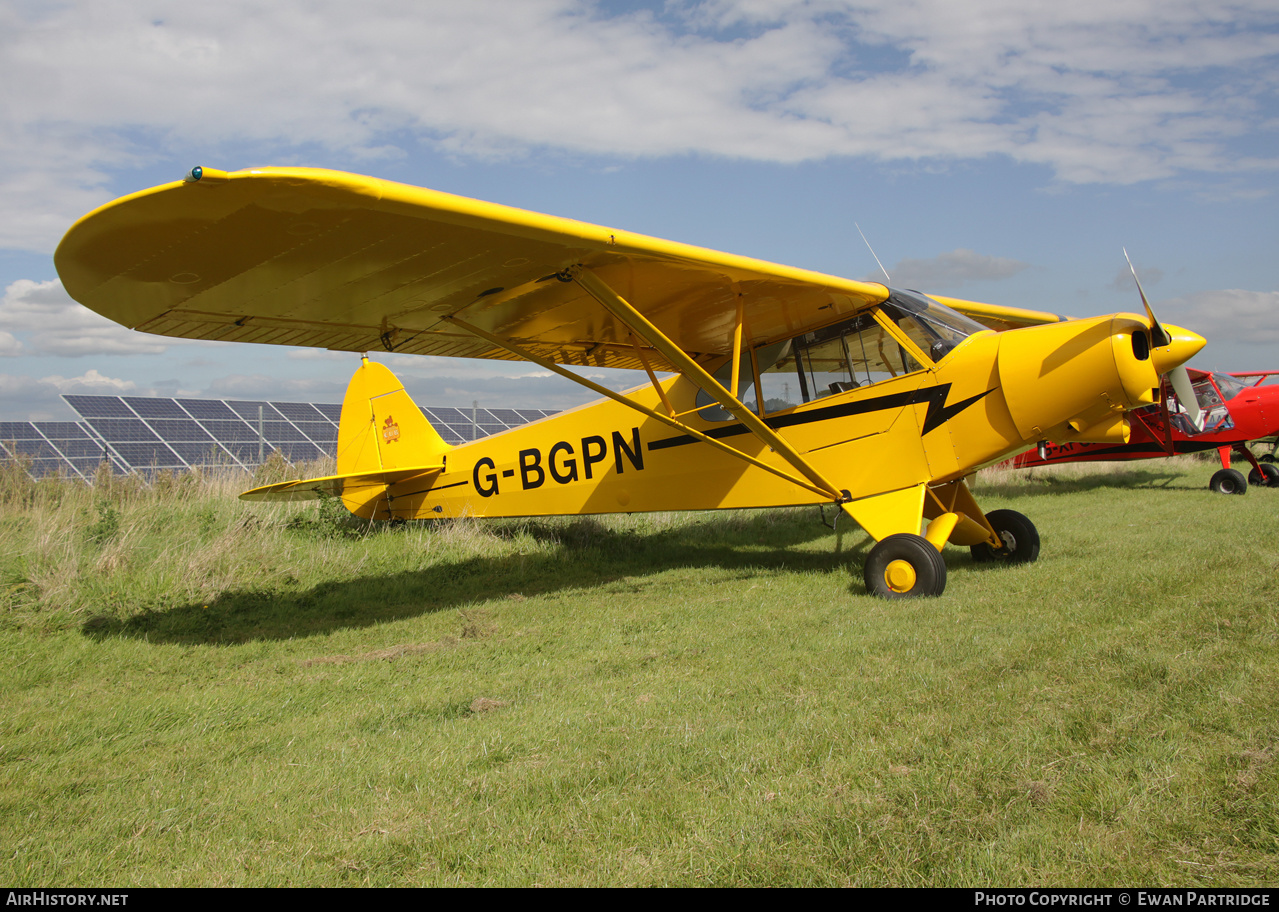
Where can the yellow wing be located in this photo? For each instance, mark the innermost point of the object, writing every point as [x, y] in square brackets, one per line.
[998, 317]
[298, 256]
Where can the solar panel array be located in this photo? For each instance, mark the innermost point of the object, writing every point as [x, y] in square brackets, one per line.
[144, 434]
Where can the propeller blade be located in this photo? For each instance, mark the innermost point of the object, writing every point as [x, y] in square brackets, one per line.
[1185, 391]
[1178, 376]
[1158, 337]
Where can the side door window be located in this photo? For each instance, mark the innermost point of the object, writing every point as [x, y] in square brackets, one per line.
[847, 356]
[836, 359]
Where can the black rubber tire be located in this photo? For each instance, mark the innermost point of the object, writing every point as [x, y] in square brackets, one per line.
[929, 570]
[1228, 481]
[1269, 457]
[1021, 539]
[1266, 477]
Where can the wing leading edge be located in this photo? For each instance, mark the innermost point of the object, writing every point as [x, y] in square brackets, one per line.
[309, 257]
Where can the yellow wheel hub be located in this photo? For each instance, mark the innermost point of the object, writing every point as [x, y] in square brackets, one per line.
[900, 576]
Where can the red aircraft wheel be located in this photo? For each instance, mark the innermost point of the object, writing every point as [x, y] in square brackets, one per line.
[1228, 481]
[1019, 535]
[1268, 476]
[904, 566]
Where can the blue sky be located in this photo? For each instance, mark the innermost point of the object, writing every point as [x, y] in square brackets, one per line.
[1000, 150]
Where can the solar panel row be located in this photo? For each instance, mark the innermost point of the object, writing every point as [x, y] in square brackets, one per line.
[53, 447]
[143, 434]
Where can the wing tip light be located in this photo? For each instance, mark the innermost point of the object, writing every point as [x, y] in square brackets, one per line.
[209, 175]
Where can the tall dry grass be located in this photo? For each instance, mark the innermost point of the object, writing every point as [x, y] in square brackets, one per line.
[72, 548]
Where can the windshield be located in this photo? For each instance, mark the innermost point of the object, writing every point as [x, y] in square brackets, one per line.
[1229, 386]
[933, 326]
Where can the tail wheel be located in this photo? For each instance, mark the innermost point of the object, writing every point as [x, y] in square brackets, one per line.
[905, 566]
[1228, 481]
[1266, 476]
[1019, 535]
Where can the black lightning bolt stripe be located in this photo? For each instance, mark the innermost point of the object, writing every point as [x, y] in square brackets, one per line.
[938, 413]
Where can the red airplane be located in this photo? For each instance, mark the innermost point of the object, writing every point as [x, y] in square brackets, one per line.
[1226, 415]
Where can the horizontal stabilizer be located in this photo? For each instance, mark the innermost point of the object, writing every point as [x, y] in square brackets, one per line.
[334, 485]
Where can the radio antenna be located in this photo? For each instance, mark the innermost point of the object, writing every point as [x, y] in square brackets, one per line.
[872, 252]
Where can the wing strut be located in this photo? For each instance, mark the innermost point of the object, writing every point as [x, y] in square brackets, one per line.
[639, 324]
[652, 377]
[618, 397]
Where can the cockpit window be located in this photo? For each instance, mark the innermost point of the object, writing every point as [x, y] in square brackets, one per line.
[847, 355]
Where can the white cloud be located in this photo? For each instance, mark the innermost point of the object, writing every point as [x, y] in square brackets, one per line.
[1117, 91]
[90, 383]
[48, 322]
[14, 386]
[949, 270]
[25, 398]
[540, 390]
[51, 323]
[261, 386]
[1229, 315]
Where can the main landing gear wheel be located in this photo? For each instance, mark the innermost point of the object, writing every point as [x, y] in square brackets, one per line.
[1269, 457]
[1228, 481]
[1019, 535]
[905, 566]
[1267, 477]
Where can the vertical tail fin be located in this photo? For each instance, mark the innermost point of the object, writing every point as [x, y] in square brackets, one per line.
[383, 436]
[382, 429]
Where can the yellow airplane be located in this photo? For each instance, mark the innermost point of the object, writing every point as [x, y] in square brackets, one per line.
[789, 387]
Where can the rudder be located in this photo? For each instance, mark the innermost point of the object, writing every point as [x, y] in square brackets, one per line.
[382, 429]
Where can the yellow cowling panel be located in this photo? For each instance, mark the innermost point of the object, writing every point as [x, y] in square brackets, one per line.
[1067, 371]
[1114, 428]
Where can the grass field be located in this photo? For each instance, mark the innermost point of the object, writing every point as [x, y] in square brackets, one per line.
[201, 692]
